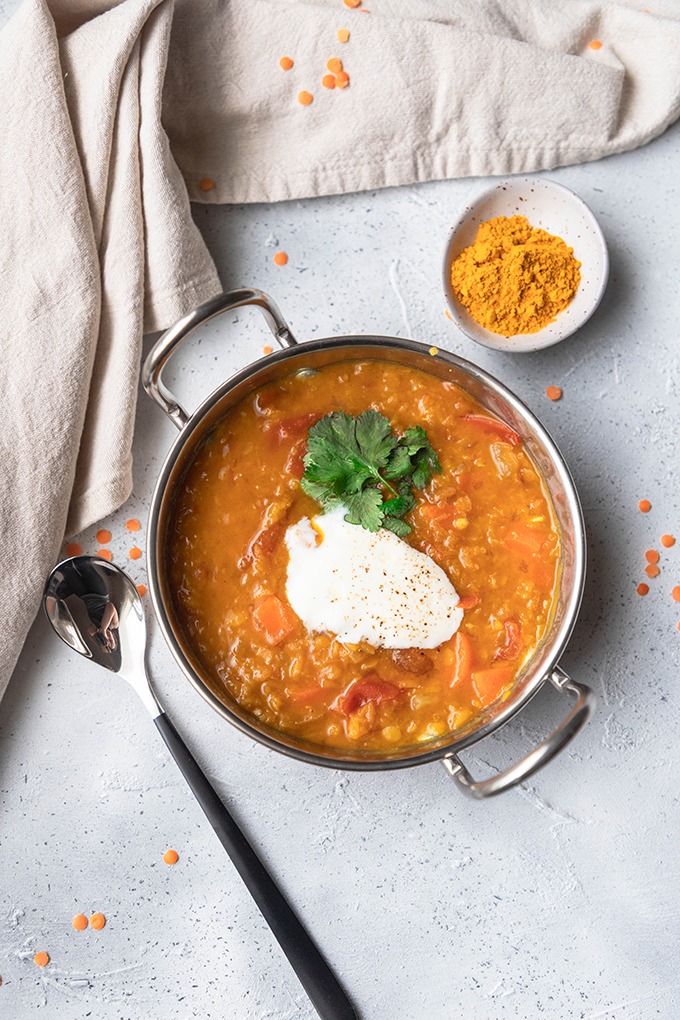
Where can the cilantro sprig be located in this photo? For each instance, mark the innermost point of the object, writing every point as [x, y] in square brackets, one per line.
[359, 464]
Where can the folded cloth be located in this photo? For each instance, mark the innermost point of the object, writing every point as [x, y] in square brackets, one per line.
[99, 240]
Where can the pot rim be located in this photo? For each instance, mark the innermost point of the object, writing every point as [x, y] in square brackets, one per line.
[445, 748]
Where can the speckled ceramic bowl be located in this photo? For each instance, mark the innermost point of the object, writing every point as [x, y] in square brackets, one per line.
[551, 207]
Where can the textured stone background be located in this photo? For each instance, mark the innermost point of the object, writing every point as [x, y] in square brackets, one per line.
[559, 899]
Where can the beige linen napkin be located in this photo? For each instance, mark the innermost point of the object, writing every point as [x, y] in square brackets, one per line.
[98, 241]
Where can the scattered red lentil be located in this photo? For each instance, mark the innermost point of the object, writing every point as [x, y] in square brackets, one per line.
[652, 556]
[343, 35]
[41, 959]
[334, 65]
[206, 184]
[678, 624]
[171, 857]
[97, 921]
[280, 259]
[79, 922]
[553, 393]
[667, 541]
[74, 549]
[448, 315]
[595, 44]
[652, 570]
[642, 588]
[285, 63]
[305, 98]
[104, 554]
[103, 536]
[267, 349]
[135, 553]
[645, 506]
[328, 81]
[676, 593]
[133, 524]
[141, 588]
[352, 3]
[342, 79]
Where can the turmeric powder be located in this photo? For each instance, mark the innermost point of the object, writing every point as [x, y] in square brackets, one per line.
[515, 278]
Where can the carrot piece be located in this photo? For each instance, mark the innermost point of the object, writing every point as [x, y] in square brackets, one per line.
[642, 588]
[667, 541]
[500, 428]
[652, 556]
[463, 658]
[274, 618]
[645, 506]
[307, 695]
[513, 641]
[489, 683]
[522, 539]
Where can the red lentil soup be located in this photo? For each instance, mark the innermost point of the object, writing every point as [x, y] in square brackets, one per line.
[486, 520]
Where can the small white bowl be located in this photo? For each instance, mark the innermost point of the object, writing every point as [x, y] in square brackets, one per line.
[551, 207]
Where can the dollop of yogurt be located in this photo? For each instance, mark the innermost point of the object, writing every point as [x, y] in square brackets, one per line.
[367, 586]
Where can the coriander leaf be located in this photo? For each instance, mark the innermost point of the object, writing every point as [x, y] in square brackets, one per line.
[426, 464]
[365, 508]
[350, 462]
[399, 506]
[399, 527]
[399, 463]
[374, 436]
[415, 439]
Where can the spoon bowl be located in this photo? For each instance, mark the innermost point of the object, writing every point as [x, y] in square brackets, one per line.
[95, 609]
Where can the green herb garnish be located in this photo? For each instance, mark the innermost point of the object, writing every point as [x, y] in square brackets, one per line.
[359, 464]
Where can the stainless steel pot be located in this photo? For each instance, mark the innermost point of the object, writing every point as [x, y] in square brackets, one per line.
[295, 357]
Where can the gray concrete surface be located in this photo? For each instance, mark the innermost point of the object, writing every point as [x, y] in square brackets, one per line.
[559, 899]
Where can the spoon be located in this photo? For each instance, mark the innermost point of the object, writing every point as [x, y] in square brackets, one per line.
[96, 609]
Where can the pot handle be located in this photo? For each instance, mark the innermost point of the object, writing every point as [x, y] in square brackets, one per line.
[173, 337]
[541, 755]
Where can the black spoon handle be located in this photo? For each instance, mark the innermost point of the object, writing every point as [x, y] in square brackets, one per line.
[316, 977]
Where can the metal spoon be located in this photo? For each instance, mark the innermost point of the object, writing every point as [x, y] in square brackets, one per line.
[96, 609]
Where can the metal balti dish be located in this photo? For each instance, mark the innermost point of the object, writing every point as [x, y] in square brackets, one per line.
[294, 357]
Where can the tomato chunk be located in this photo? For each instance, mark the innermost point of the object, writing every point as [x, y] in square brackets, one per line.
[274, 618]
[295, 465]
[370, 688]
[292, 428]
[495, 425]
[513, 641]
